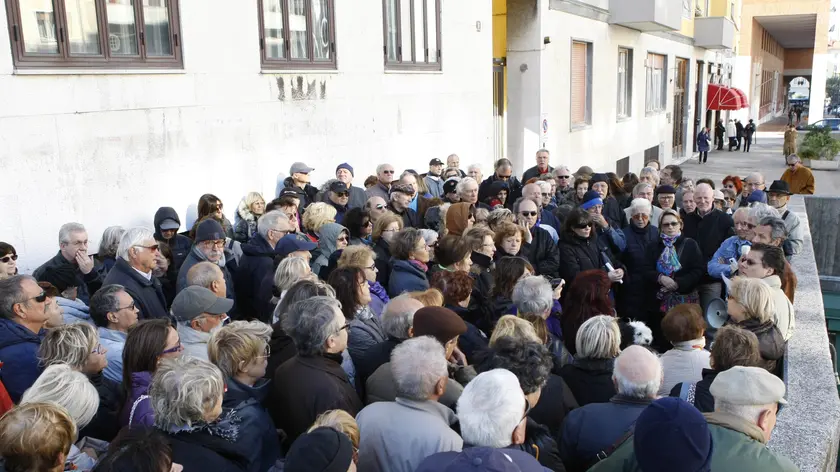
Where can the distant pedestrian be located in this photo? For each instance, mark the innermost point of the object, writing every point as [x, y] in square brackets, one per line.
[703, 144]
[749, 131]
[790, 141]
[798, 115]
[732, 134]
[720, 131]
[739, 132]
[790, 116]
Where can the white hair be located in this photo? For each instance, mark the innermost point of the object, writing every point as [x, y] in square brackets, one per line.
[290, 271]
[598, 338]
[381, 167]
[640, 205]
[417, 364]
[561, 168]
[429, 235]
[641, 187]
[543, 185]
[269, 221]
[650, 171]
[70, 389]
[533, 294]
[474, 166]
[67, 229]
[462, 185]
[183, 390]
[637, 373]
[745, 412]
[490, 408]
[133, 237]
[759, 211]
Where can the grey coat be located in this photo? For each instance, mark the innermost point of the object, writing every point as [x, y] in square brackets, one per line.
[381, 387]
[365, 332]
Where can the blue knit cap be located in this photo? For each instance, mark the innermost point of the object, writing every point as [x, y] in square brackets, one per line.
[590, 199]
[347, 166]
[672, 435]
[757, 196]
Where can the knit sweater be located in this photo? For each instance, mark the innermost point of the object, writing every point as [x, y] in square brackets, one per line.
[801, 181]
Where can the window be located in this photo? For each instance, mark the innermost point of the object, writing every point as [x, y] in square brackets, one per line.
[655, 83]
[581, 79]
[297, 34]
[625, 82]
[94, 33]
[412, 34]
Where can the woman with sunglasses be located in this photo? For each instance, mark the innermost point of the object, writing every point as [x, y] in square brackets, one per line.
[146, 345]
[358, 223]
[674, 267]
[211, 205]
[582, 250]
[8, 260]
[332, 237]
[240, 350]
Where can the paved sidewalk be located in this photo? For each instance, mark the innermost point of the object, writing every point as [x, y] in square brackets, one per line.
[765, 157]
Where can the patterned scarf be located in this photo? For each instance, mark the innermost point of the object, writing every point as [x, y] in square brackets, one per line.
[420, 265]
[668, 263]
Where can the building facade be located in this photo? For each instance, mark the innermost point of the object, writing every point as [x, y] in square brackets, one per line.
[110, 109]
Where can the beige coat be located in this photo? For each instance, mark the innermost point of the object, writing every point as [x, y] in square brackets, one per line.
[790, 142]
[783, 316]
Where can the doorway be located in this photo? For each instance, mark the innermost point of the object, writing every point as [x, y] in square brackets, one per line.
[698, 102]
[498, 108]
[679, 116]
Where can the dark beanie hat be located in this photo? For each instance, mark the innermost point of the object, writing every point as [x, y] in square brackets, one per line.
[670, 435]
[209, 230]
[441, 323]
[322, 450]
[61, 277]
[346, 166]
[599, 178]
[665, 189]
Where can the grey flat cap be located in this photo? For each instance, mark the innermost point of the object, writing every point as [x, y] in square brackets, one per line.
[194, 301]
[748, 386]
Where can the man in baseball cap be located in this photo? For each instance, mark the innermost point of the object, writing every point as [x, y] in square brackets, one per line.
[338, 196]
[292, 246]
[433, 181]
[298, 180]
[198, 313]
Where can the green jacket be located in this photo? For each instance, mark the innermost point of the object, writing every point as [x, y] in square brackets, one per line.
[738, 446]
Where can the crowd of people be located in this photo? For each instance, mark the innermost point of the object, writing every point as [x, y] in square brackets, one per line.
[440, 321]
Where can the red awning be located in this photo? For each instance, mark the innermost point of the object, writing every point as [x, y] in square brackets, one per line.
[721, 97]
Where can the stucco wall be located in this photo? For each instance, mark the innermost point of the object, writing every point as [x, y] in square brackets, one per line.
[799, 58]
[110, 149]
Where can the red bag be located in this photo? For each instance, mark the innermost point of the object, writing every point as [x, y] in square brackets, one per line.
[5, 400]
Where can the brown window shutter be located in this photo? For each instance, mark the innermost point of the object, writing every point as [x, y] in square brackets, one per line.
[579, 85]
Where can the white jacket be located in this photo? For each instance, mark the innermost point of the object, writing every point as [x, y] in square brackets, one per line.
[683, 363]
[783, 315]
[731, 130]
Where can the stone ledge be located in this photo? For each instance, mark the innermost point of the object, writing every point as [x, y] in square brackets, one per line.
[808, 429]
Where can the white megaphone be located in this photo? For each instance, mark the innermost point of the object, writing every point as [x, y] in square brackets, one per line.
[745, 250]
[716, 314]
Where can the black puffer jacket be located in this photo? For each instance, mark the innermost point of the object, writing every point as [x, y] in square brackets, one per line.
[307, 194]
[556, 401]
[612, 211]
[542, 253]
[580, 254]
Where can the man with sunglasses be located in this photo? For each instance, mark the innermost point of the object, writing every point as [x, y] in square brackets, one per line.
[113, 312]
[563, 179]
[257, 262]
[384, 176]
[799, 178]
[199, 313]
[376, 207]
[136, 259]
[23, 312]
[209, 247]
[298, 181]
[338, 197]
[344, 172]
[73, 251]
[504, 173]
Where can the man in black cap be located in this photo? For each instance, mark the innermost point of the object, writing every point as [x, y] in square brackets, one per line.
[198, 313]
[298, 181]
[321, 450]
[344, 173]
[167, 224]
[401, 196]
[338, 196]
[503, 172]
[778, 197]
[433, 181]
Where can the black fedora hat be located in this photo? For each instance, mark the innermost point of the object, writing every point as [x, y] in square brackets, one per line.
[779, 186]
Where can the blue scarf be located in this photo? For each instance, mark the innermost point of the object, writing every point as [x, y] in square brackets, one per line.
[668, 263]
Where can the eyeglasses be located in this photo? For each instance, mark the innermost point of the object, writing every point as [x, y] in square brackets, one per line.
[266, 354]
[792, 165]
[219, 206]
[583, 225]
[372, 267]
[178, 348]
[346, 326]
[98, 349]
[564, 176]
[219, 243]
[546, 195]
[130, 306]
[528, 213]
[389, 230]
[387, 171]
[40, 298]
[342, 239]
[670, 224]
[153, 247]
[367, 223]
[6, 259]
[342, 194]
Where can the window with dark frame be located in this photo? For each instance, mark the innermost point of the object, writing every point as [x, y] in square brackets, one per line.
[412, 34]
[95, 33]
[297, 34]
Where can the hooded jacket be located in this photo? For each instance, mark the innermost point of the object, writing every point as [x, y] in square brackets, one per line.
[147, 293]
[328, 234]
[457, 218]
[306, 194]
[179, 244]
[246, 226]
[73, 310]
[257, 434]
[19, 355]
[257, 261]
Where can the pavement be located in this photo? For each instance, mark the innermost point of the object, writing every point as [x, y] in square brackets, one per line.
[765, 156]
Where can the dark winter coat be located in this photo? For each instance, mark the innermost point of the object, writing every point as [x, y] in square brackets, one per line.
[514, 189]
[257, 261]
[590, 380]
[340, 210]
[548, 218]
[410, 218]
[19, 355]
[374, 358]
[703, 141]
[771, 344]
[106, 424]
[691, 259]
[406, 277]
[556, 401]
[595, 427]
[87, 284]
[203, 451]
[306, 386]
[580, 254]
[306, 194]
[257, 437]
[179, 244]
[612, 212]
[542, 253]
[702, 397]
[535, 172]
[540, 444]
[147, 294]
[633, 292]
[383, 261]
[195, 256]
[709, 232]
[282, 349]
[474, 340]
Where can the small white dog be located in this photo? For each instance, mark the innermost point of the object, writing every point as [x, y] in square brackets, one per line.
[642, 335]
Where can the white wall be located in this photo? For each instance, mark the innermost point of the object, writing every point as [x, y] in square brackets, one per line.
[110, 149]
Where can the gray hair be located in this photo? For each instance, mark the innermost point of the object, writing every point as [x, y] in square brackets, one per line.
[499, 215]
[637, 373]
[777, 227]
[11, 293]
[398, 316]
[67, 229]
[533, 295]
[474, 166]
[490, 408]
[70, 389]
[792, 159]
[543, 150]
[204, 274]
[543, 185]
[640, 205]
[183, 389]
[561, 168]
[429, 235]
[650, 171]
[380, 167]
[133, 237]
[105, 301]
[311, 322]
[290, 271]
[110, 241]
[598, 338]
[759, 211]
[417, 365]
[462, 185]
[746, 412]
[742, 210]
[69, 344]
[269, 221]
[641, 187]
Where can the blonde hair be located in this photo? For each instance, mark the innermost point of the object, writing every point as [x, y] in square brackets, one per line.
[253, 197]
[430, 297]
[33, 436]
[340, 421]
[68, 388]
[499, 216]
[514, 327]
[290, 271]
[755, 296]
[355, 256]
[598, 338]
[69, 344]
[386, 219]
[317, 215]
[237, 345]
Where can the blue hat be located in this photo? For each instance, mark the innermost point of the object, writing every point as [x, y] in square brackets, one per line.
[590, 199]
[291, 243]
[347, 166]
[209, 230]
[757, 196]
[671, 434]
